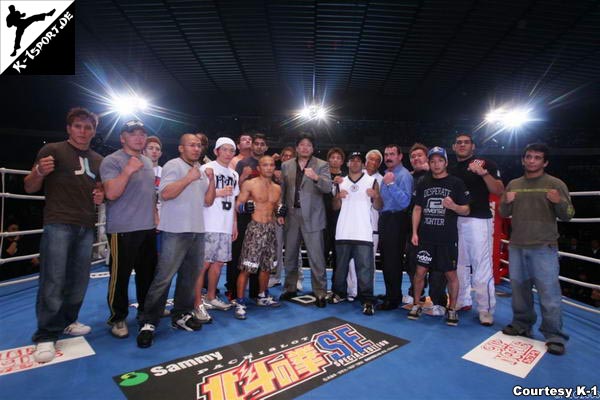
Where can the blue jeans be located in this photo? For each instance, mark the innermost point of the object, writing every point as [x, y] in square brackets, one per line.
[536, 266]
[182, 253]
[65, 259]
[364, 263]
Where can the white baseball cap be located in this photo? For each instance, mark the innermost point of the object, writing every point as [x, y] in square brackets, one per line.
[224, 140]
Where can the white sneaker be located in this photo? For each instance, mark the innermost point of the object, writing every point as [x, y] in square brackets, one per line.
[438, 311]
[407, 299]
[267, 301]
[202, 315]
[240, 311]
[44, 352]
[217, 304]
[486, 318]
[351, 298]
[120, 330]
[77, 329]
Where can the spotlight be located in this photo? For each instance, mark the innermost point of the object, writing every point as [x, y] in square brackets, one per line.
[314, 112]
[128, 105]
[513, 118]
[516, 118]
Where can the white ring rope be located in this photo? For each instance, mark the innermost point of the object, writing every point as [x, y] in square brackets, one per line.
[5, 195]
[569, 302]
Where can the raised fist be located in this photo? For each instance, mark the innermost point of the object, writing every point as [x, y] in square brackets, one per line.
[133, 165]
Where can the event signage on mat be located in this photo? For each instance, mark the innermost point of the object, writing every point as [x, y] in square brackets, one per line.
[280, 365]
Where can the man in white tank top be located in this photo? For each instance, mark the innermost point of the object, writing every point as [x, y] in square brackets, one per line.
[354, 232]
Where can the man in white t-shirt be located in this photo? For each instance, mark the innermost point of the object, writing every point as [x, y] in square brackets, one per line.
[359, 193]
[220, 223]
[184, 191]
[374, 160]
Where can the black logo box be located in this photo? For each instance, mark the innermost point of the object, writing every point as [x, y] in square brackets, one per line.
[187, 377]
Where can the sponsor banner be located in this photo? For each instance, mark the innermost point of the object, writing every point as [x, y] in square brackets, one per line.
[37, 37]
[21, 358]
[280, 365]
[515, 355]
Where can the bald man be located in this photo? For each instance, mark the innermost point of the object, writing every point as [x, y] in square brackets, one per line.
[184, 191]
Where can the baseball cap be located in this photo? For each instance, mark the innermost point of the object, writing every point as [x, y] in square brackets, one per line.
[132, 125]
[356, 154]
[440, 151]
[224, 140]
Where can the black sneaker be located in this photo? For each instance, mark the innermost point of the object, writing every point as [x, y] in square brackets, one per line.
[336, 298]
[145, 336]
[288, 296]
[368, 309]
[511, 330]
[415, 312]
[451, 317]
[187, 322]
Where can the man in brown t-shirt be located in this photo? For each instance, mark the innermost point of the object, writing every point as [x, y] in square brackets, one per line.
[69, 173]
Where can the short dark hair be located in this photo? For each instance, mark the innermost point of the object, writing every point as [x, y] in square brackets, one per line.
[418, 146]
[539, 147]
[239, 140]
[336, 150]
[464, 134]
[394, 146]
[82, 113]
[305, 135]
[259, 136]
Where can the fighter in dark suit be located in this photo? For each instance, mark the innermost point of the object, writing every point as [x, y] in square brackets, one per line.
[305, 179]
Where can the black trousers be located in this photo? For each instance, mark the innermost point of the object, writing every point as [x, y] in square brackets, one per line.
[130, 251]
[393, 229]
[436, 279]
[232, 266]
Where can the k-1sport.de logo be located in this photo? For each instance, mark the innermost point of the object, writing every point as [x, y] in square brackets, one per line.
[37, 37]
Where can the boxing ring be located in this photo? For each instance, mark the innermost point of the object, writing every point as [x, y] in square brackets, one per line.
[434, 356]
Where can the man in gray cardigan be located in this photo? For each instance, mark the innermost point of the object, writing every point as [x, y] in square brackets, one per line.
[305, 179]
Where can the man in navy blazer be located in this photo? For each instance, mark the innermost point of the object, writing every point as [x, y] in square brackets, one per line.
[305, 179]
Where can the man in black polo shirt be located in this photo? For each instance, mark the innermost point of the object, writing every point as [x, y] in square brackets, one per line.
[481, 176]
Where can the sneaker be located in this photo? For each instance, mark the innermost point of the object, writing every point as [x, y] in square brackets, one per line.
[351, 298]
[368, 309]
[558, 349]
[415, 312]
[511, 330]
[407, 299]
[267, 301]
[120, 330]
[486, 318]
[77, 329]
[336, 298]
[299, 286]
[202, 315]
[452, 317]
[216, 304]
[240, 310]
[186, 322]
[44, 352]
[145, 336]
[438, 311]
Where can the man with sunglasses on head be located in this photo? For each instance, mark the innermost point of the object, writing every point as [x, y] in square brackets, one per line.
[128, 179]
[475, 231]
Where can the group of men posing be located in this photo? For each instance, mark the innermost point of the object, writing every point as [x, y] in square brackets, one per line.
[242, 211]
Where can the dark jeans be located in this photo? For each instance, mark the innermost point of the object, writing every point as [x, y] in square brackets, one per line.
[182, 254]
[393, 228]
[65, 259]
[130, 251]
[364, 264]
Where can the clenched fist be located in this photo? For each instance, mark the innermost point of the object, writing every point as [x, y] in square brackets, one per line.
[133, 165]
[45, 166]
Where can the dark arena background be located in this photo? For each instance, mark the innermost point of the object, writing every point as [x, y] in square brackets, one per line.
[357, 75]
